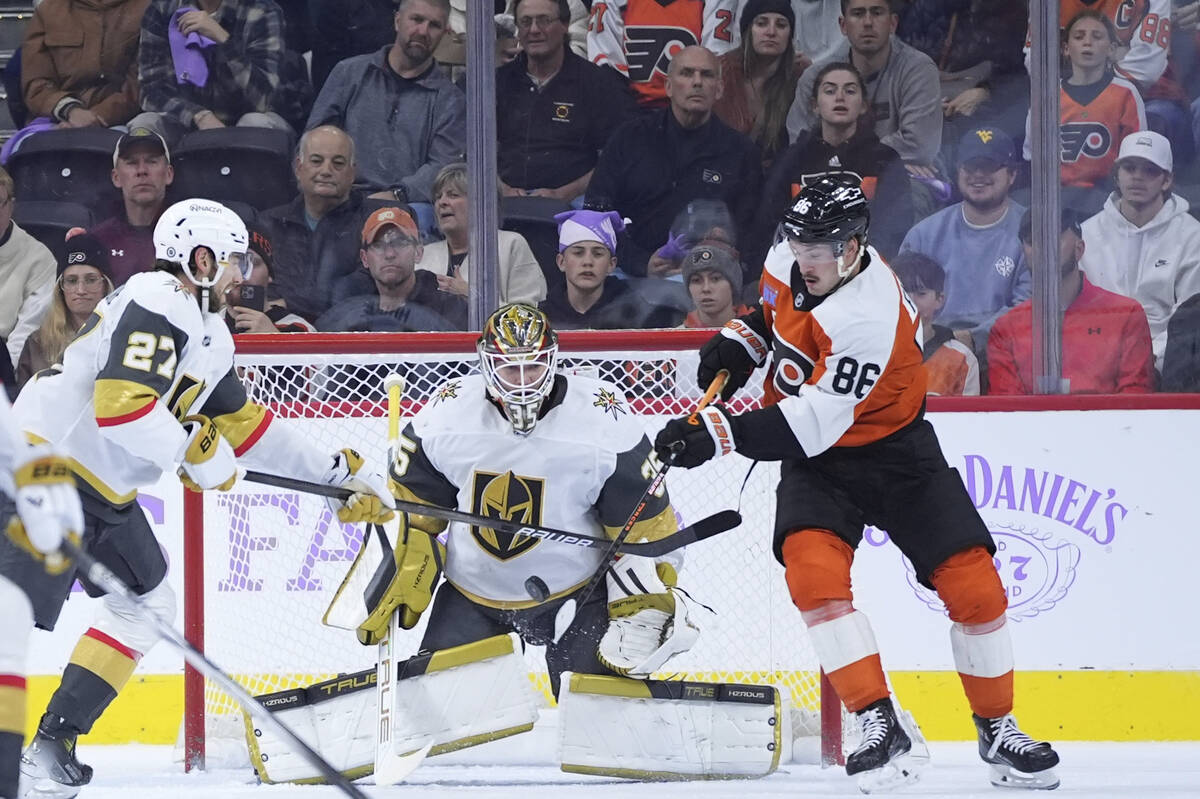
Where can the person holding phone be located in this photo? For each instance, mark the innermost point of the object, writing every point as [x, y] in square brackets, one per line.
[248, 309]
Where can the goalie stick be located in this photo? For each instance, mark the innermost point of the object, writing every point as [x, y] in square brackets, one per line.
[100, 575]
[536, 586]
[707, 527]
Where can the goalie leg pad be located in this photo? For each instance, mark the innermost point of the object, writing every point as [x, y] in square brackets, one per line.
[462, 696]
[459, 697]
[335, 717]
[657, 730]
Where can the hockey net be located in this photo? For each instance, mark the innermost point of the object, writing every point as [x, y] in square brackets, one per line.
[263, 563]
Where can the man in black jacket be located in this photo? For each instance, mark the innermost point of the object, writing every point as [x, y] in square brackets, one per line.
[317, 234]
[555, 110]
[654, 167]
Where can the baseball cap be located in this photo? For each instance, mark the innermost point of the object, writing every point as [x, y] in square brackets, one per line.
[718, 258]
[397, 217]
[140, 135]
[86, 249]
[988, 143]
[1069, 220]
[1147, 144]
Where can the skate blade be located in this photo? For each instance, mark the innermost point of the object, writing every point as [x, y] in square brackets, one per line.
[32, 788]
[1003, 776]
[901, 770]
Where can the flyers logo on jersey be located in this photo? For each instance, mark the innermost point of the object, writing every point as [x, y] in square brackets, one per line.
[650, 48]
[511, 497]
[1084, 139]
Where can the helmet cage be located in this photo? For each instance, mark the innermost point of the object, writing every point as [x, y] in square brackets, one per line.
[519, 380]
[518, 353]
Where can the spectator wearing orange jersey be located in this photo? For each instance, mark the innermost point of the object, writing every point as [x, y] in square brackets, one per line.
[951, 368]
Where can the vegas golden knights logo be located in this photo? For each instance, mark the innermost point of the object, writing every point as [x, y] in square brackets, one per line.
[506, 496]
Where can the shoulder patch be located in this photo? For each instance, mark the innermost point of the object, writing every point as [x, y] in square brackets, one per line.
[609, 402]
[447, 391]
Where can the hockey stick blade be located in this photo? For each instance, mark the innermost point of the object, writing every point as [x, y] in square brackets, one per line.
[100, 575]
[717, 523]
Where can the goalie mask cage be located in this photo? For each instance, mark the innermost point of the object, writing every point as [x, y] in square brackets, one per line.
[263, 563]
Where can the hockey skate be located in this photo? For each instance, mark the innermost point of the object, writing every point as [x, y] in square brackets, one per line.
[1016, 760]
[49, 768]
[886, 757]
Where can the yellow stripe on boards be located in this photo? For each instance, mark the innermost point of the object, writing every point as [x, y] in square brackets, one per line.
[1057, 706]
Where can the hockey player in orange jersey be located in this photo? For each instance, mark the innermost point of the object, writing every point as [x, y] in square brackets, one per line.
[844, 413]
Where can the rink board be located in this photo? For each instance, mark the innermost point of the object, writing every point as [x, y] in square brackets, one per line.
[1093, 517]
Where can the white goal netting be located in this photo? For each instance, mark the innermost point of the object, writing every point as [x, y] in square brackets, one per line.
[273, 558]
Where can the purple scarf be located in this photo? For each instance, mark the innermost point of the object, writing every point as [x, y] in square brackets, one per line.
[190, 66]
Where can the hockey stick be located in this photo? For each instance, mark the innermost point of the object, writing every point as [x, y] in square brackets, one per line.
[100, 575]
[707, 527]
[537, 587]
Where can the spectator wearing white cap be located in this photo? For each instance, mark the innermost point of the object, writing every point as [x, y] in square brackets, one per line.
[1143, 243]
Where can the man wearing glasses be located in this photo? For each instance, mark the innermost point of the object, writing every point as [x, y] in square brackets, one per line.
[404, 298]
[557, 108]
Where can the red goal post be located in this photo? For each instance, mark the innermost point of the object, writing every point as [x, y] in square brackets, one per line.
[261, 563]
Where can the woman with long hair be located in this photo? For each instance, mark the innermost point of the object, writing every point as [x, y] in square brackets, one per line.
[759, 76]
[83, 280]
[843, 143]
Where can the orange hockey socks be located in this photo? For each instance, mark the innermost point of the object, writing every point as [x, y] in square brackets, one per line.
[817, 565]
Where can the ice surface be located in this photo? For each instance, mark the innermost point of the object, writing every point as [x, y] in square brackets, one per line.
[1101, 770]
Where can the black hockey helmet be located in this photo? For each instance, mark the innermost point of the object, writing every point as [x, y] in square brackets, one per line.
[831, 209]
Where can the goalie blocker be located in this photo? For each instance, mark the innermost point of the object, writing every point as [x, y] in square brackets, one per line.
[675, 730]
[457, 697]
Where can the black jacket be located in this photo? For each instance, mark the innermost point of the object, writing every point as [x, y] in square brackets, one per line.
[619, 306]
[307, 263]
[548, 138]
[653, 168]
[885, 182]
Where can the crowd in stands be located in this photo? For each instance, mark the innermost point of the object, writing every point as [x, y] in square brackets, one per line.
[646, 150]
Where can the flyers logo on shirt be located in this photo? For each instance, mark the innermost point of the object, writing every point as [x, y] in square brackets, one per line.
[1084, 139]
[650, 48]
[508, 496]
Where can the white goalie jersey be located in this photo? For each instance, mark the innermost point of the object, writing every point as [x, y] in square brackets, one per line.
[145, 359]
[582, 468]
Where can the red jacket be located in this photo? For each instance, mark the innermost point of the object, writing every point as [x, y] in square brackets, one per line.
[1106, 347]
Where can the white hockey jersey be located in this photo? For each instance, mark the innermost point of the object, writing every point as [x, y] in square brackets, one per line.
[147, 358]
[582, 468]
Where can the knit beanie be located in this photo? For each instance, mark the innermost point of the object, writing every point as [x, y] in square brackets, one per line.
[755, 7]
[719, 259]
[86, 249]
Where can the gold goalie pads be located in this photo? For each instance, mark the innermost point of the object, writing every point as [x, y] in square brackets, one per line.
[670, 730]
[457, 697]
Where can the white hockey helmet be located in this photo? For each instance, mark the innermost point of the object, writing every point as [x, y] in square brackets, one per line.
[189, 224]
[518, 352]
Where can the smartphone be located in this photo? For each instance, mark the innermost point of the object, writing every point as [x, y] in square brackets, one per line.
[249, 297]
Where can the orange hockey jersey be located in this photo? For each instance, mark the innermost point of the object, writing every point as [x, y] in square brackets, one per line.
[845, 369]
[1094, 119]
[1143, 26]
[639, 37]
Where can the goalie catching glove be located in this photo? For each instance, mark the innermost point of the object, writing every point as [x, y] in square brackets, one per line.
[739, 348]
[48, 508]
[206, 461]
[649, 618]
[404, 583]
[371, 501]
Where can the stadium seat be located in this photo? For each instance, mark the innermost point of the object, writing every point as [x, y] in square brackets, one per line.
[533, 218]
[48, 221]
[66, 165]
[250, 165]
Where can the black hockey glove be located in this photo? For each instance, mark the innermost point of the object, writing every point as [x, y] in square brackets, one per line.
[740, 347]
[689, 442]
